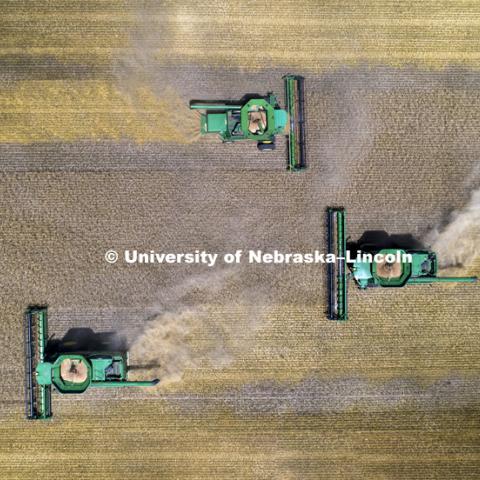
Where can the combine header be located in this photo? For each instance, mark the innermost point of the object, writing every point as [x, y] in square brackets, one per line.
[38, 397]
[337, 272]
[294, 95]
[371, 266]
[260, 119]
[67, 372]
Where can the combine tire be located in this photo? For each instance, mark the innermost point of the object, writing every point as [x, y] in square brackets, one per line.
[265, 146]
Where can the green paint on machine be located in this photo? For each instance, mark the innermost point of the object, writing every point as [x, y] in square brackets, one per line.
[260, 119]
[67, 372]
[382, 267]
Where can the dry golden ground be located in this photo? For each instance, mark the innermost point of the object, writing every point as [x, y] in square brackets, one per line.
[64, 55]
[156, 442]
[269, 388]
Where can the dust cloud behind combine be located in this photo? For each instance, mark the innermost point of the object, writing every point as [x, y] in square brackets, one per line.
[169, 344]
[457, 243]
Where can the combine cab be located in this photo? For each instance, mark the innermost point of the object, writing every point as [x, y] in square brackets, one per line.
[260, 119]
[67, 372]
[373, 267]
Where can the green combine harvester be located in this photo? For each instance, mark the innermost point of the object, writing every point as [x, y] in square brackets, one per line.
[67, 372]
[393, 267]
[260, 119]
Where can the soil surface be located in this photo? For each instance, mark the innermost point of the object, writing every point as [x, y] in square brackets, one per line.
[99, 151]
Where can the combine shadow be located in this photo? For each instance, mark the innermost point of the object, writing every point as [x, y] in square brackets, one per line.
[86, 340]
[374, 240]
[241, 101]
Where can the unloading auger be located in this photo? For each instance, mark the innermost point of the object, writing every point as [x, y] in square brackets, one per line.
[260, 119]
[390, 270]
[67, 372]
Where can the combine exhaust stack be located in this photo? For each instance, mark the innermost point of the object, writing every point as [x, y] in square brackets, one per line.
[294, 97]
[337, 272]
[38, 398]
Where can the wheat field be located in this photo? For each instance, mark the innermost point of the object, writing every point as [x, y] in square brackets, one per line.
[98, 150]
